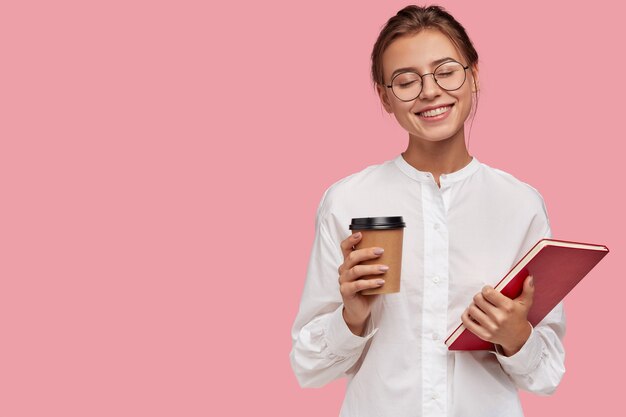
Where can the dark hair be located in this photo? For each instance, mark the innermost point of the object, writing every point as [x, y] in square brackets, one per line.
[410, 21]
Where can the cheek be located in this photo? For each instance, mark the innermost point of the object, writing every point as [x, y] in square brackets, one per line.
[401, 110]
[464, 104]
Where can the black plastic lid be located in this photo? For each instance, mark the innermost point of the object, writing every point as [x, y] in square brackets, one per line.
[377, 223]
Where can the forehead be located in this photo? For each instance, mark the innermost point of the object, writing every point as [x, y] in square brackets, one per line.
[418, 51]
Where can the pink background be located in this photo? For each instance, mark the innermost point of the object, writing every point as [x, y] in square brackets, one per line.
[161, 164]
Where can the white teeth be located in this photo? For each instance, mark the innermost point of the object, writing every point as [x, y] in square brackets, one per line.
[435, 112]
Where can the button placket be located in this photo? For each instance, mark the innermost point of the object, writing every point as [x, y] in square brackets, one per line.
[434, 352]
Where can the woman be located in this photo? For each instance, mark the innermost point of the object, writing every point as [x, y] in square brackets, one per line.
[467, 224]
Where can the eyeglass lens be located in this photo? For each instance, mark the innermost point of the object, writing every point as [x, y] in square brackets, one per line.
[408, 85]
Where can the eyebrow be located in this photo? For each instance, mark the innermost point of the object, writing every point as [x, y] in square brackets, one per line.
[436, 62]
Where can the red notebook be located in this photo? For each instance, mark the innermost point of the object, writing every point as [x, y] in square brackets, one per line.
[556, 266]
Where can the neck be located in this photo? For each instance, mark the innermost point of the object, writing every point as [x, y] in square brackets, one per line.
[441, 157]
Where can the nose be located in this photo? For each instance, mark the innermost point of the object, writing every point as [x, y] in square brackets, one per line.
[430, 88]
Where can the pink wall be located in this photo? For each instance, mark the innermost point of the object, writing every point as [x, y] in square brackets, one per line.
[161, 163]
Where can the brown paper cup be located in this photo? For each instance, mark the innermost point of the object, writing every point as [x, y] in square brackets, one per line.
[386, 233]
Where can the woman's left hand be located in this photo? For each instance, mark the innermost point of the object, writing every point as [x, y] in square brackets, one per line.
[498, 319]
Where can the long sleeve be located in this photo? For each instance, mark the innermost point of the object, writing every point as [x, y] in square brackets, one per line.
[470, 227]
[539, 365]
[323, 346]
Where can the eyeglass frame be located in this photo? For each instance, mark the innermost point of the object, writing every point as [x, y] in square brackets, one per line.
[465, 67]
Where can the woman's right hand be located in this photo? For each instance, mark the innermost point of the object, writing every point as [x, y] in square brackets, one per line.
[356, 306]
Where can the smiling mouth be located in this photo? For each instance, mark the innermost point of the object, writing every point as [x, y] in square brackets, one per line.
[434, 112]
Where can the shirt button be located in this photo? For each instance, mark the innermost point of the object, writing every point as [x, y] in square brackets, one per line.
[436, 280]
[435, 396]
[435, 336]
[436, 226]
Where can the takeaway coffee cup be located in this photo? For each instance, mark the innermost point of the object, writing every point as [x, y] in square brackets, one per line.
[386, 233]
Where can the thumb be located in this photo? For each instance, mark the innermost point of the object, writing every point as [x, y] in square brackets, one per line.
[528, 291]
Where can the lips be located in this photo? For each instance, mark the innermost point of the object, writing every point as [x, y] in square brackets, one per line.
[432, 111]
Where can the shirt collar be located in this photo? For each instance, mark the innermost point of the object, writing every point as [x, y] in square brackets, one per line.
[424, 176]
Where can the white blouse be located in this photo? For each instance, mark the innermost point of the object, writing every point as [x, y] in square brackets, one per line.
[458, 238]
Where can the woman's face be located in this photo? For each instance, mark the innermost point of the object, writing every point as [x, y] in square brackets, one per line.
[420, 51]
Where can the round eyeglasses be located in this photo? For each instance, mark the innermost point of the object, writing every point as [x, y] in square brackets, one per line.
[407, 86]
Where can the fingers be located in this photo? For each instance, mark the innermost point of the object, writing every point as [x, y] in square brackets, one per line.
[348, 243]
[350, 272]
[479, 316]
[485, 306]
[471, 324]
[349, 289]
[359, 255]
[358, 271]
[528, 292]
[353, 257]
[495, 297]
[350, 282]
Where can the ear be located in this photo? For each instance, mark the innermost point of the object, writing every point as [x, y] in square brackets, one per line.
[384, 98]
[476, 80]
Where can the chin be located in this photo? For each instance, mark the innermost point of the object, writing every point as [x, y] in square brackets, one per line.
[434, 138]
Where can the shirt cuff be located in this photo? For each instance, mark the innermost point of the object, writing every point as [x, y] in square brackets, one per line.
[340, 339]
[526, 359]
